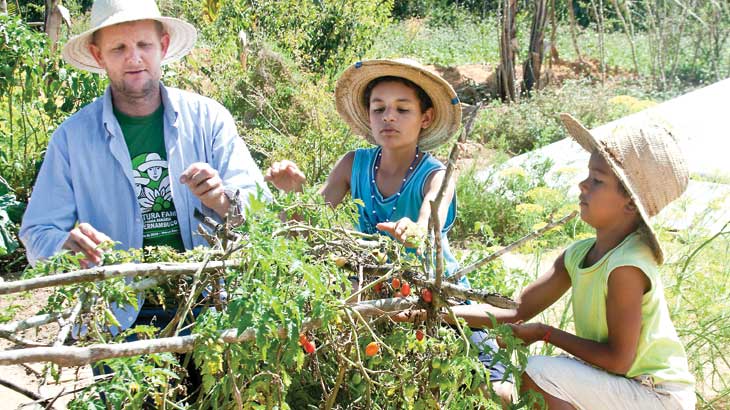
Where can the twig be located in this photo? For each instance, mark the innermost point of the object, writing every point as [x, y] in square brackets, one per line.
[31, 322]
[436, 203]
[476, 265]
[101, 273]
[20, 389]
[71, 356]
[66, 327]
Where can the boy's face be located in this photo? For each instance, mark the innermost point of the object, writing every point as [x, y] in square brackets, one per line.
[602, 201]
[131, 53]
[395, 114]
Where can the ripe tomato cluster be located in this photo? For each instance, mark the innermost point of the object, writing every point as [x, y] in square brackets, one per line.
[307, 344]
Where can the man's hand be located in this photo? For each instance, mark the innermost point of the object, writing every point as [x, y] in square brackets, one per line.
[286, 176]
[84, 239]
[404, 230]
[205, 183]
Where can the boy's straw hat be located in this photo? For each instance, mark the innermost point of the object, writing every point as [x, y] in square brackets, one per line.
[105, 13]
[350, 98]
[645, 157]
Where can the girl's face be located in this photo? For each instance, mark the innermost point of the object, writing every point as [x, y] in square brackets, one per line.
[395, 113]
[602, 201]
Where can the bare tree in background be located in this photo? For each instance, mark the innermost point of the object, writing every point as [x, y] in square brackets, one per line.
[507, 50]
[3, 7]
[573, 34]
[533, 64]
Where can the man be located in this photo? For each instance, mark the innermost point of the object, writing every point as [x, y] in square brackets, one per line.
[134, 164]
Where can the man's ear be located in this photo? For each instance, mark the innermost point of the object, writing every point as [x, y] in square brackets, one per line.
[427, 118]
[165, 42]
[96, 53]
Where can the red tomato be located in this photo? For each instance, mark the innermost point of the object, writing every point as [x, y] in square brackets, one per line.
[426, 295]
[378, 287]
[372, 349]
[310, 347]
[398, 295]
[395, 283]
[419, 335]
[405, 289]
[303, 339]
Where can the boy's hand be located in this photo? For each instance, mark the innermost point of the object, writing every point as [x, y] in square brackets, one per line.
[404, 230]
[285, 175]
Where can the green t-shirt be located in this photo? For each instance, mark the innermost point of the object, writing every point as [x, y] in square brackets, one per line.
[146, 143]
[660, 353]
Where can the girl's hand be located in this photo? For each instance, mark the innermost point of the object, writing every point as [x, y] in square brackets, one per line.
[404, 230]
[529, 333]
[286, 176]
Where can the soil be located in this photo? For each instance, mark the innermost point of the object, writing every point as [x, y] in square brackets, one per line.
[30, 376]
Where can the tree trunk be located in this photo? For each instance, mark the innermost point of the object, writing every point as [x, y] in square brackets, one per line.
[52, 24]
[573, 34]
[3, 7]
[629, 33]
[533, 63]
[507, 49]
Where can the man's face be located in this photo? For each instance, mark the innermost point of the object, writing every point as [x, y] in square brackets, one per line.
[131, 53]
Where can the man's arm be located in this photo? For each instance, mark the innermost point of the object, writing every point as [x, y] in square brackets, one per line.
[233, 165]
[48, 222]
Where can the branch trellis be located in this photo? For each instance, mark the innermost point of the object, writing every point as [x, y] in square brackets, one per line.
[225, 241]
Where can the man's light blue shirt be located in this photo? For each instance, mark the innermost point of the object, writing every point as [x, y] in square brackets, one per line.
[86, 175]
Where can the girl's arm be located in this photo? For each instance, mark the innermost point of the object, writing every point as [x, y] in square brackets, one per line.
[626, 288]
[535, 298]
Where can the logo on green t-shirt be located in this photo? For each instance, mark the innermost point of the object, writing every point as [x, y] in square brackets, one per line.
[152, 186]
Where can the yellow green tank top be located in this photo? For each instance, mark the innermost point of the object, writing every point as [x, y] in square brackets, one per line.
[660, 353]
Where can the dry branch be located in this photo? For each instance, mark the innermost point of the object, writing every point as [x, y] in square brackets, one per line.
[455, 291]
[70, 356]
[101, 273]
[476, 265]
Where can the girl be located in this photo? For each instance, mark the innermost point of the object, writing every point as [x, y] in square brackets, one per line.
[405, 111]
[626, 353]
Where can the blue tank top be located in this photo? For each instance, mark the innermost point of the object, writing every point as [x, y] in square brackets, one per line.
[407, 205]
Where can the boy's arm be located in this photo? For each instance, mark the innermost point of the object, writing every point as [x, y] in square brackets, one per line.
[338, 181]
[403, 228]
[535, 298]
[626, 288]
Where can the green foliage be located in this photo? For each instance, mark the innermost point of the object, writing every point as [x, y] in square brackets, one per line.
[499, 206]
[534, 122]
[11, 212]
[320, 35]
[36, 94]
[280, 288]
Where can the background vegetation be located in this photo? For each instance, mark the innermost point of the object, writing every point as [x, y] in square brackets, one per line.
[617, 58]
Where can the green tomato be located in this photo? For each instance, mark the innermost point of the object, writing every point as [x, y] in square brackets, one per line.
[356, 378]
[436, 363]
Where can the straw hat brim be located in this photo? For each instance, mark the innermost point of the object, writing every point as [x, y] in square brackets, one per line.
[182, 39]
[590, 143]
[350, 94]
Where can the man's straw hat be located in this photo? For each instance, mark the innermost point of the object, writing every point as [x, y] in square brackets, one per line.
[105, 13]
[350, 98]
[645, 157]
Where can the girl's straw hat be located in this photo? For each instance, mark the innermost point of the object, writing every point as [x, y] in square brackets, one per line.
[645, 157]
[350, 98]
[106, 13]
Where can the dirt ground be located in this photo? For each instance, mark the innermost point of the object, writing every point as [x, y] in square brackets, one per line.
[30, 376]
